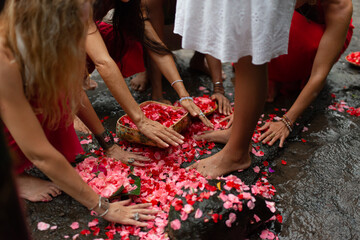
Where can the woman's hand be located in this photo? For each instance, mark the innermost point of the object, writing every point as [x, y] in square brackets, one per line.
[160, 134]
[223, 103]
[230, 118]
[195, 111]
[274, 131]
[135, 159]
[123, 213]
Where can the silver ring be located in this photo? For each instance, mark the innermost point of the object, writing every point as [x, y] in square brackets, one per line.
[131, 160]
[136, 216]
[201, 114]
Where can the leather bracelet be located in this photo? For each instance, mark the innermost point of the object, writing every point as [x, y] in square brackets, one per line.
[286, 124]
[288, 120]
[106, 140]
[219, 88]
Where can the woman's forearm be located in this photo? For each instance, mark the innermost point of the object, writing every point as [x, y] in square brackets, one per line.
[337, 18]
[57, 168]
[112, 77]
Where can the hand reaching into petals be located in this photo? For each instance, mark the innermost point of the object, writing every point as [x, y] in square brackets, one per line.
[230, 118]
[124, 213]
[274, 131]
[160, 134]
[195, 111]
[223, 103]
[135, 159]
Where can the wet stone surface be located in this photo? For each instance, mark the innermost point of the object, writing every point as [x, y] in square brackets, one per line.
[317, 190]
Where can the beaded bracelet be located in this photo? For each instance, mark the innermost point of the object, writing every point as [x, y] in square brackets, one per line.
[186, 98]
[176, 82]
[286, 124]
[288, 120]
[106, 140]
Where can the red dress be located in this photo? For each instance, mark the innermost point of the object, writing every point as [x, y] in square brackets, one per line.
[64, 139]
[292, 71]
[131, 62]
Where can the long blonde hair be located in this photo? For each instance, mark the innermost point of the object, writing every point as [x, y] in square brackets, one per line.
[47, 39]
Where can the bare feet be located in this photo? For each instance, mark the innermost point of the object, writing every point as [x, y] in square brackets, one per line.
[139, 82]
[221, 163]
[35, 189]
[80, 126]
[218, 136]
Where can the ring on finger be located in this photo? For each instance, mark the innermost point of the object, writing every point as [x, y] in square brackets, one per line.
[136, 216]
[272, 135]
[131, 160]
[201, 114]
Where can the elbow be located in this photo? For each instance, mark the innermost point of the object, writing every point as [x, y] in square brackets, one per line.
[104, 65]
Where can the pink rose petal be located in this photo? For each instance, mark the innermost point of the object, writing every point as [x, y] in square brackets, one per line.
[74, 225]
[198, 213]
[42, 226]
[175, 224]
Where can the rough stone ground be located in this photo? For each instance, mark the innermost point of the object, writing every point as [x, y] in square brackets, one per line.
[318, 191]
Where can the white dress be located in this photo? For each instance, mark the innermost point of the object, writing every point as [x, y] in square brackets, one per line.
[231, 29]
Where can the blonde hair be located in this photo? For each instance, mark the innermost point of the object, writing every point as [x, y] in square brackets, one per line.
[47, 39]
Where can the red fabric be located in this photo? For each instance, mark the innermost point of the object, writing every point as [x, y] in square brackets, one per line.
[291, 72]
[132, 62]
[64, 139]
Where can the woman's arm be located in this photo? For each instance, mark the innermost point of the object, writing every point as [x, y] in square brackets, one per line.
[25, 128]
[337, 19]
[14, 111]
[89, 117]
[109, 71]
[168, 68]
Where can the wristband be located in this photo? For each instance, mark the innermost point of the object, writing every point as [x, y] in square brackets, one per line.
[286, 124]
[106, 140]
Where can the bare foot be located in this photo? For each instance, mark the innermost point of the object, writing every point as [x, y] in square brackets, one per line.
[218, 136]
[80, 126]
[221, 163]
[35, 189]
[139, 82]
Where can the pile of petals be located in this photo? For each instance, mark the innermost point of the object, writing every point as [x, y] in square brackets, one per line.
[105, 176]
[162, 180]
[161, 113]
[342, 107]
[354, 58]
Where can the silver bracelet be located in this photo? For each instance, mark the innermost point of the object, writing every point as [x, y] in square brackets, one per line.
[104, 213]
[186, 98]
[176, 82]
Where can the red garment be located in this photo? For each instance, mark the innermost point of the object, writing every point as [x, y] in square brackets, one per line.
[292, 71]
[64, 139]
[132, 62]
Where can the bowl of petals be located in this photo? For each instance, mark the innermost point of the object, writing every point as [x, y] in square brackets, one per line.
[353, 58]
[168, 115]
